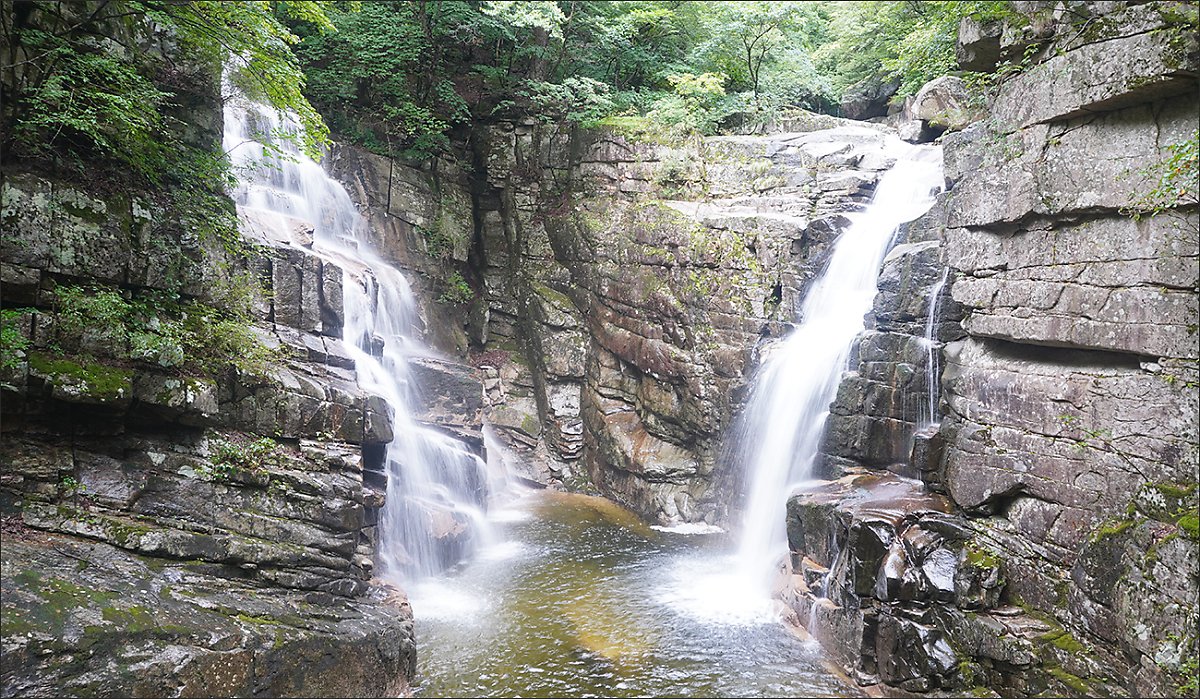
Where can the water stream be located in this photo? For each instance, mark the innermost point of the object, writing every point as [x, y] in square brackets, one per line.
[436, 488]
[568, 595]
[584, 600]
[780, 430]
[933, 372]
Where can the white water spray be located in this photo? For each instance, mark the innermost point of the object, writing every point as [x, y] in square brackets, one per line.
[932, 354]
[781, 429]
[436, 488]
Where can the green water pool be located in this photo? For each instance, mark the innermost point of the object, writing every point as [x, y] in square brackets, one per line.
[574, 597]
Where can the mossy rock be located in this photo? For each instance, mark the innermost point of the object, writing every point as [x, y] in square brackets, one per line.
[83, 383]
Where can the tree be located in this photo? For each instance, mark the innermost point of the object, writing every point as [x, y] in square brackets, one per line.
[85, 78]
[912, 40]
[743, 37]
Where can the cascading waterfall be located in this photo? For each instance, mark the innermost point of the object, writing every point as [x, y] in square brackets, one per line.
[780, 430]
[932, 355]
[436, 488]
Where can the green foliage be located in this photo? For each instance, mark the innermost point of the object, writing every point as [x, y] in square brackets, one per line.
[255, 44]
[89, 90]
[400, 77]
[165, 329]
[90, 99]
[747, 40]
[228, 456]
[912, 41]
[696, 105]
[384, 78]
[111, 98]
[456, 290]
[579, 99]
[1175, 177]
[13, 342]
[1190, 669]
[71, 487]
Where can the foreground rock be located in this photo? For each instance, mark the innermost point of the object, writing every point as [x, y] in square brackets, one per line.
[85, 618]
[1058, 493]
[189, 494]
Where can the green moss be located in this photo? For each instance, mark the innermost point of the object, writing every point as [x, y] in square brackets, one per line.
[95, 380]
[30, 578]
[981, 558]
[1175, 490]
[637, 128]
[1111, 529]
[1075, 682]
[1061, 638]
[15, 621]
[59, 599]
[1061, 591]
[553, 296]
[966, 672]
[1178, 14]
[134, 619]
[258, 620]
[530, 425]
[1190, 524]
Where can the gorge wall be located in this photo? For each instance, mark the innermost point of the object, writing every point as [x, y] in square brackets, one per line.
[1050, 547]
[187, 509]
[620, 285]
[602, 297]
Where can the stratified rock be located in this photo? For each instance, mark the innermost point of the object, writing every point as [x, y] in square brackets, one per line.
[1068, 440]
[1139, 54]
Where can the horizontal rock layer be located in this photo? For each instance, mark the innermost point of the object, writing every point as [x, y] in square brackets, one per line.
[1069, 445]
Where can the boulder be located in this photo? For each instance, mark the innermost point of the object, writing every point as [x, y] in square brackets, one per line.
[868, 98]
[125, 624]
[944, 103]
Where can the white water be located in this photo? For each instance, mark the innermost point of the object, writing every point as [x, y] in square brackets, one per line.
[436, 486]
[932, 355]
[781, 428]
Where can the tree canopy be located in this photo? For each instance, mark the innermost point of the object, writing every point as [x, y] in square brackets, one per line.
[400, 77]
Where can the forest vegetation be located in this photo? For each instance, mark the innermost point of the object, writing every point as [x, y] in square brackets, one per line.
[401, 77]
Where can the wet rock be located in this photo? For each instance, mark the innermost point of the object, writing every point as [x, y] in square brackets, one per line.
[912, 655]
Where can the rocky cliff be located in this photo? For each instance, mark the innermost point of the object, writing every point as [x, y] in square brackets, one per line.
[1050, 547]
[184, 504]
[1010, 501]
[621, 285]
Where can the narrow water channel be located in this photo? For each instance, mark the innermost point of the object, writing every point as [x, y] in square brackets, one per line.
[582, 599]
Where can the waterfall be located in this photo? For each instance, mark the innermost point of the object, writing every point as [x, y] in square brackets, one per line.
[932, 369]
[780, 429]
[436, 488]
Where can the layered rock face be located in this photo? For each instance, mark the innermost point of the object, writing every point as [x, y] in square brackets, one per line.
[244, 484]
[173, 525]
[1051, 548]
[621, 285]
[637, 279]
